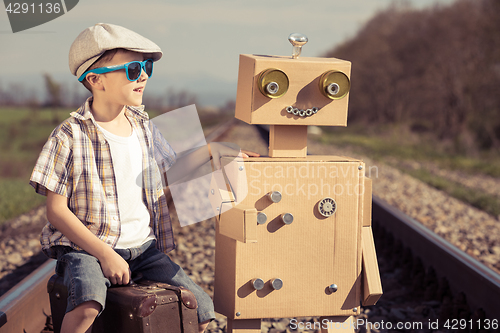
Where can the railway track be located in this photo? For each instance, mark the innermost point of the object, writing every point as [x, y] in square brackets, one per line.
[443, 267]
[446, 268]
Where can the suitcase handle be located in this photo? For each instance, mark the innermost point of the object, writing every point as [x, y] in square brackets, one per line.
[131, 283]
[187, 297]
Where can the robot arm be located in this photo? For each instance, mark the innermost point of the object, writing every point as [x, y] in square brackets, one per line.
[239, 223]
[371, 287]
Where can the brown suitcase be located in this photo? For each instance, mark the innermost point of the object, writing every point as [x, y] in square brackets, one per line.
[144, 307]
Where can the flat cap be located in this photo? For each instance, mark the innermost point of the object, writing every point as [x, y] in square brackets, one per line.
[92, 42]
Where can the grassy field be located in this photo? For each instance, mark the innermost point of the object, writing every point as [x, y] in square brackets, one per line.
[399, 143]
[23, 132]
[397, 146]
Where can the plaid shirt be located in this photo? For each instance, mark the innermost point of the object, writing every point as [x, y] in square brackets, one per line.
[76, 163]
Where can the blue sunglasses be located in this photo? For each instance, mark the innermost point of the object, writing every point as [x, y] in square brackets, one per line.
[133, 69]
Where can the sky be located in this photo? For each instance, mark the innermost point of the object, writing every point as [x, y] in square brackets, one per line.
[200, 40]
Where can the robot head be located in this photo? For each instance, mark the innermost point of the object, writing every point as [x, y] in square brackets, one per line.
[278, 90]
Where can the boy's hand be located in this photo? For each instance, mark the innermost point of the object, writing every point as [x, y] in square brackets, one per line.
[248, 153]
[114, 267]
[217, 150]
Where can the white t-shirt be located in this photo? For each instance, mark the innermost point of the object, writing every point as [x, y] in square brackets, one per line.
[126, 153]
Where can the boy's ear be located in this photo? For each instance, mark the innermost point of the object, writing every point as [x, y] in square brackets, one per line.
[95, 81]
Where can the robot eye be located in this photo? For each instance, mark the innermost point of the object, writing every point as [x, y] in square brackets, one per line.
[273, 83]
[334, 84]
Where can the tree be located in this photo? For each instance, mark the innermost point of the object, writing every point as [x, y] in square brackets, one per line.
[53, 91]
[436, 69]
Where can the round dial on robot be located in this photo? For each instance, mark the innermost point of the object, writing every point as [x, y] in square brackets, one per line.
[327, 207]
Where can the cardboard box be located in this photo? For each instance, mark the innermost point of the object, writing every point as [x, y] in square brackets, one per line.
[287, 141]
[308, 255]
[304, 91]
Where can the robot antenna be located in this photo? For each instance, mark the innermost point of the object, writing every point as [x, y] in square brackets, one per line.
[297, 40]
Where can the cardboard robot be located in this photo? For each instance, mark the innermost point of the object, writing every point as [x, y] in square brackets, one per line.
[293, 237]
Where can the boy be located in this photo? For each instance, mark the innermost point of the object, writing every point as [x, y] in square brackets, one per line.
[102, 225]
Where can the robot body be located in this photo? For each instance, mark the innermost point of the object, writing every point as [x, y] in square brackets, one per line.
[293, 237]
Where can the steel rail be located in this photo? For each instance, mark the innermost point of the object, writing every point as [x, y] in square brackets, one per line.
[219, 132]
[480, 284]
[25, 307]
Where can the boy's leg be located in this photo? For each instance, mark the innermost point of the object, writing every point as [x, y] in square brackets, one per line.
[203, 325]
[81, 318]
[157, 266]
[87, 287]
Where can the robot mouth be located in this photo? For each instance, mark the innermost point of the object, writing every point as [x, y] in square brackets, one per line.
[300, 112]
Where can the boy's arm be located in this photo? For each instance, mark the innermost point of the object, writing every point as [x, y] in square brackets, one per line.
[179, 168]
[187, 166]
[114, 267]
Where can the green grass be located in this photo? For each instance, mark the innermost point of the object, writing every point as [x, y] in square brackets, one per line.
[23, 132]
[17, 197]
[478, 199]
[396, 145]
[402, 146]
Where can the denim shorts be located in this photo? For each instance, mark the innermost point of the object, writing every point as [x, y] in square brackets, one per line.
[85, 281]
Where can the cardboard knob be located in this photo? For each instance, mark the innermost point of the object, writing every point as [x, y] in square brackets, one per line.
[277, 284]
[287, 218]
[274, 196]
[261, 218]
[258, 283]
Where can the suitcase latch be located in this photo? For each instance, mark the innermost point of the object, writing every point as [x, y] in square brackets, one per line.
[188, 298]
